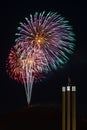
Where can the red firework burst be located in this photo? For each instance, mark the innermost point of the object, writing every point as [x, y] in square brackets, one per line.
[22, 62]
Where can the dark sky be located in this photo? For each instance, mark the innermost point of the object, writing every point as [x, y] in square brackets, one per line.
[12, 94]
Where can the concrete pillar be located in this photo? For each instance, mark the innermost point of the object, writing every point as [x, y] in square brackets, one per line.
[73, 107]
[68, 107]
[63, 108]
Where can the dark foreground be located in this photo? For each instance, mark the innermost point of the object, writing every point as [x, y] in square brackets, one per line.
[36, 118]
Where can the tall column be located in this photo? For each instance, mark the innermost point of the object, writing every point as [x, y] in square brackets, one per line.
[63, 107]
[73, 107]
[68, 107]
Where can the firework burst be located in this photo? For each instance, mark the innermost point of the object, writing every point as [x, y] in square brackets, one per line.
[26, 65]
[52, 33]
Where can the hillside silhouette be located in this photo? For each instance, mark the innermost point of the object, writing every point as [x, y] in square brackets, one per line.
[37, 117]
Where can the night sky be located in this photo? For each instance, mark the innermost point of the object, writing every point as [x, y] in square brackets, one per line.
[12, 94]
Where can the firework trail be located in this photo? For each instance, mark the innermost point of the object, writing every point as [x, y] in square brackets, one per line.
[42, 44]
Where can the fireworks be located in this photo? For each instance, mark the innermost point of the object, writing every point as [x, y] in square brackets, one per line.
[42, 44]
[52, 33]
[25, 66]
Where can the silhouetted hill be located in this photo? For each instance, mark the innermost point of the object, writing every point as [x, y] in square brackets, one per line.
[36, 117]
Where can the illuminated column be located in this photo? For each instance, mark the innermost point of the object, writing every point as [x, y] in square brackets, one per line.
[63, 107]
[73, 107]
[68, 107]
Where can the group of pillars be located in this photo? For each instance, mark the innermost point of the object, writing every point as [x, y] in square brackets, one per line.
[69, 108]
